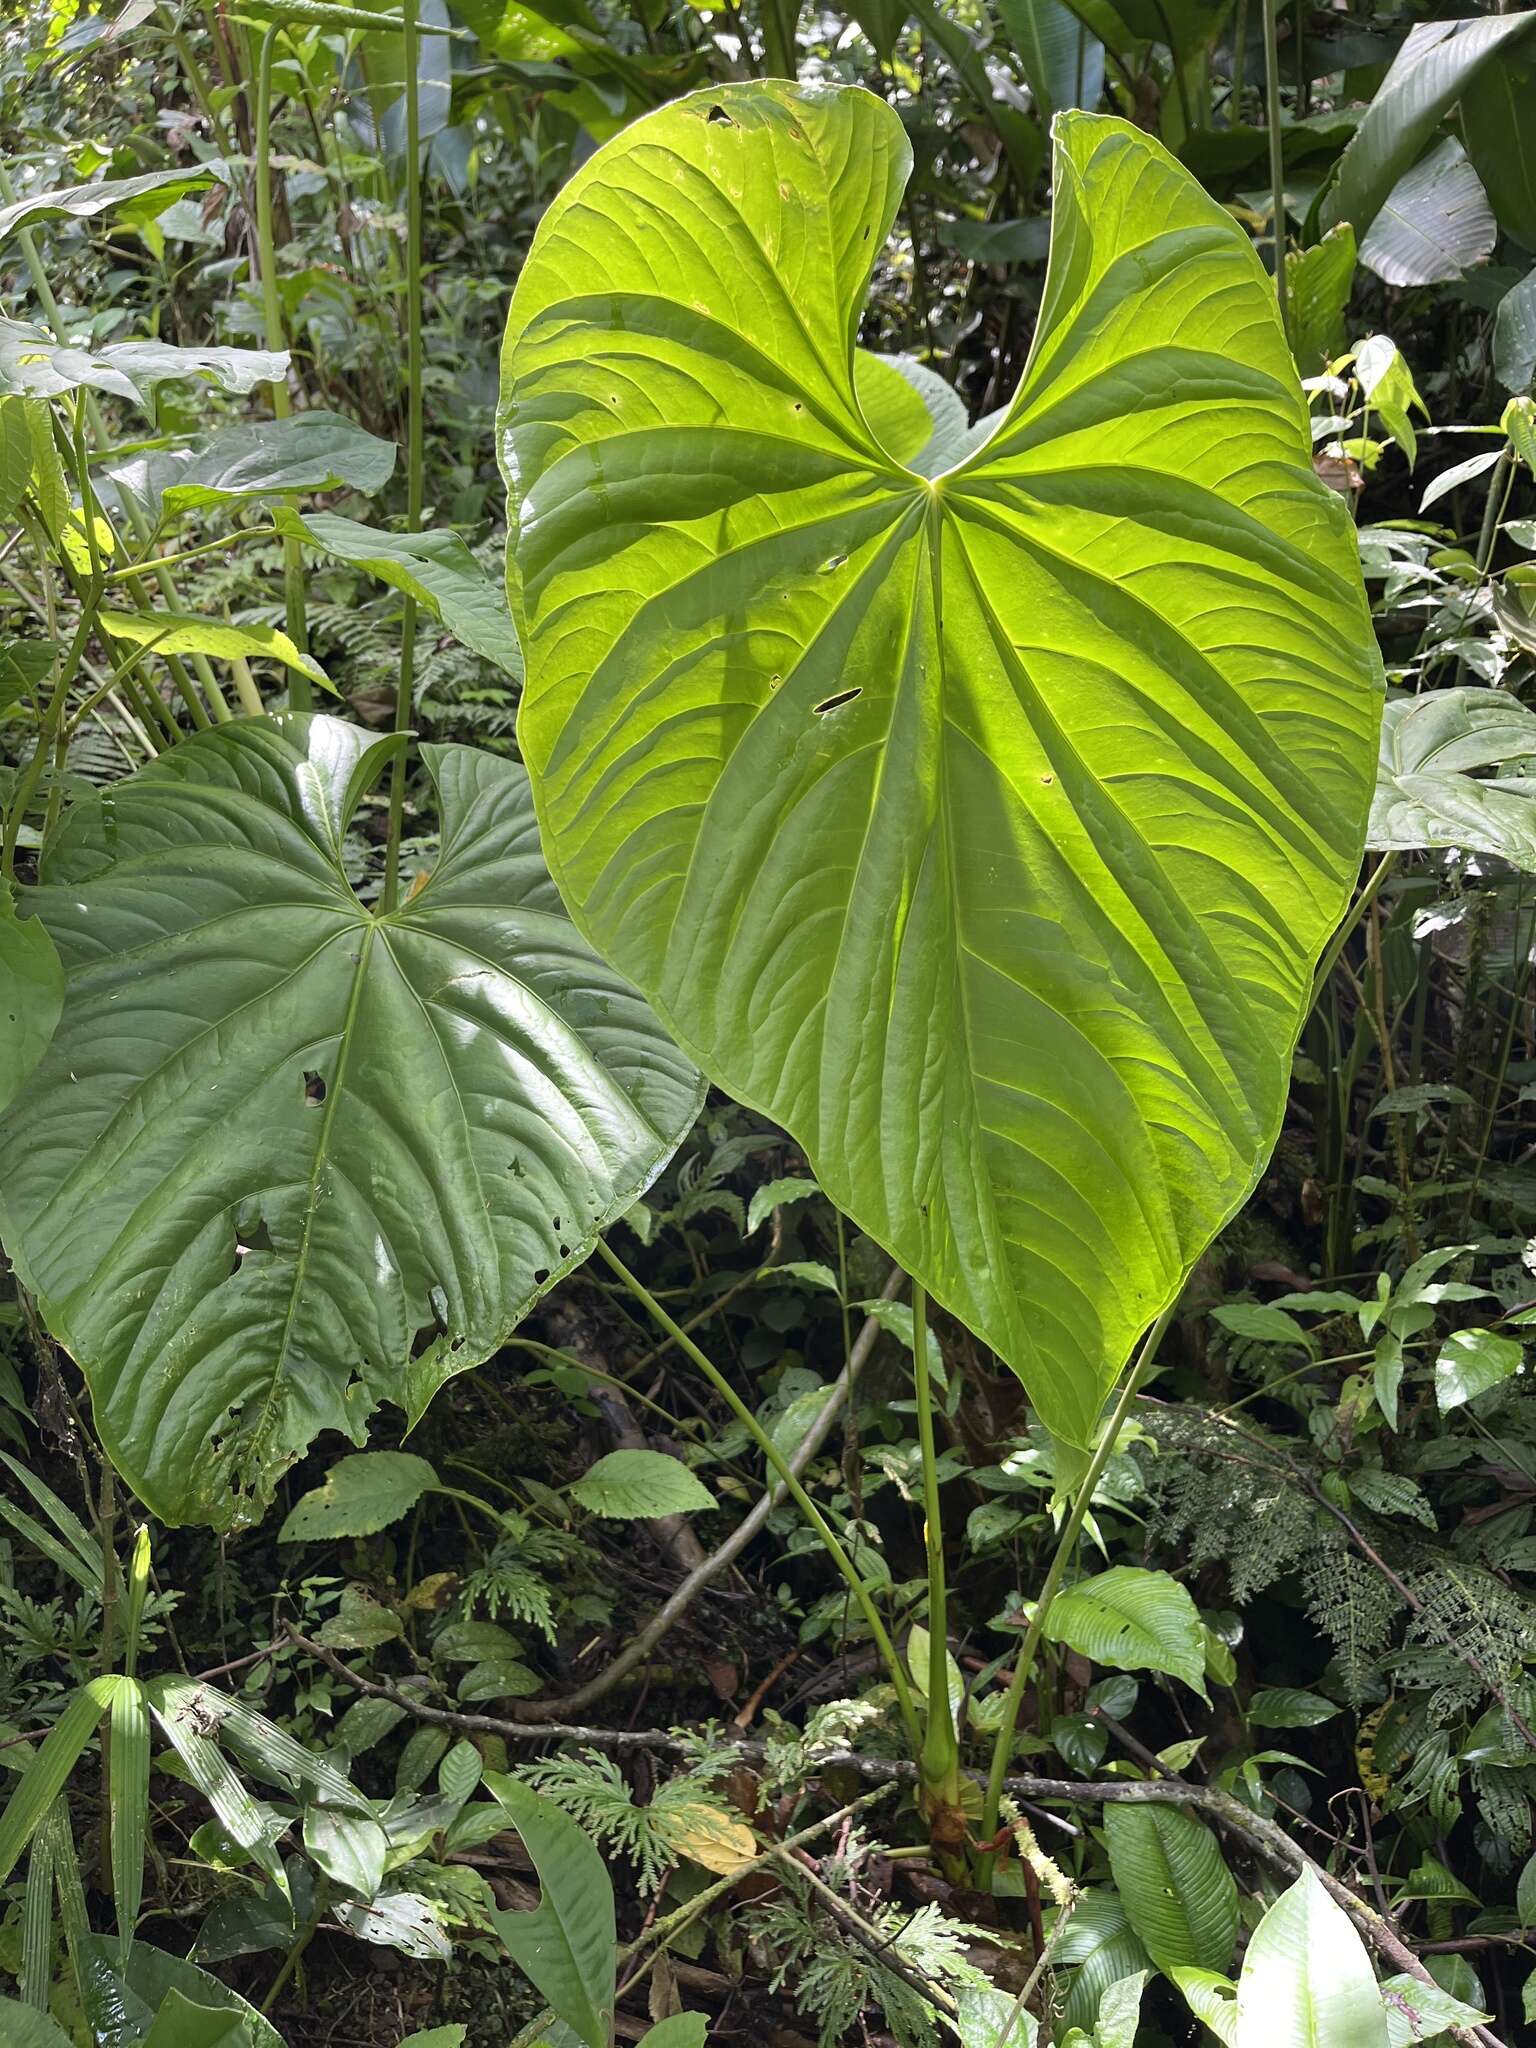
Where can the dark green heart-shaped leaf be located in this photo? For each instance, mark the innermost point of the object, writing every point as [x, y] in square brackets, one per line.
[286, 1158]
[983, 830]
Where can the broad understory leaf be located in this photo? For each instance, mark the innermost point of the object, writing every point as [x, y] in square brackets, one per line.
[1500, 135]
[132, 1997]
[1173, 1879]
[1062, 61]
[255, 1075]
[1100, 1948]
[437, 569]
[134, 200]
[31, 994]
[1437, 63]
[1307, 1980]
[361, 1496]
[1435, 225]
[1212, 1998]
[638, 1485]
[1007, 908]
[34, 365]
[1472, 1361]
[565, 1945]
[1132, 1620]
[309, 451]
[1427, 794]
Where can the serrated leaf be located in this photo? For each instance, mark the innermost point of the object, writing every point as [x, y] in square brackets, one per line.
[361, 1495]
[31, 994]
[1030, 1039]
[387, 1134]
[185, 633]
[436, 569]
[35, 365]
[566, 1943]
[640, 1485]
[1178, 1893]
[1472, 1361]
[1132, 1620]
[1307, 1980]
[308, 451]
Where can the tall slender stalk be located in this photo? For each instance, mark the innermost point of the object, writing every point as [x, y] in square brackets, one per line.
[797, 1492]
[1276, 153]
[300, 696]
[940, 1759]
[1024, 1663]
[406, 692]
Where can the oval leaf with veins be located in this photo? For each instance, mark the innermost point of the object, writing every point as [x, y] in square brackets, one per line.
[982, 829]
[287, 1157]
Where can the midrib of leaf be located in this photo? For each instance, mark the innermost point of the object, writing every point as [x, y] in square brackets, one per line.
[333, 1095]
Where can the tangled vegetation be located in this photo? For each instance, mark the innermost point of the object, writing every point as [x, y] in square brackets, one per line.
[767, 1188]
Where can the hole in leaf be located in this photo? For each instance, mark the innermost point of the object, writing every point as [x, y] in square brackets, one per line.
[314, 1089]
[540, 1275]
[718, 114]
[831, 703]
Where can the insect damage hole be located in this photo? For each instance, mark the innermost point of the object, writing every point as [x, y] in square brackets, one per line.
[831, 703]
[314, 1089]
[718, 115]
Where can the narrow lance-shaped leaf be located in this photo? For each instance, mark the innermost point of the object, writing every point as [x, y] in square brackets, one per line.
[351, 1148]
[982, 830]
[566, 1943]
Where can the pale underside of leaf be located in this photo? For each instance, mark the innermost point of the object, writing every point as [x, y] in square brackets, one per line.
[286, 1158]
[982, 832]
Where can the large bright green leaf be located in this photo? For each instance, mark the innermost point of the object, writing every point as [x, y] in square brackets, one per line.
[566, 1943]
[1132, 1620]
[1437, 63]
[287, 1157]
[31, 994]
[1427, 794]
[1306, 1980]
[34, 365]
[1175, 1885]
[308, 451]
[984, 830]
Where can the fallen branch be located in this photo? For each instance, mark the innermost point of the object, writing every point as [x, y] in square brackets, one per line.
[672, 1610]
